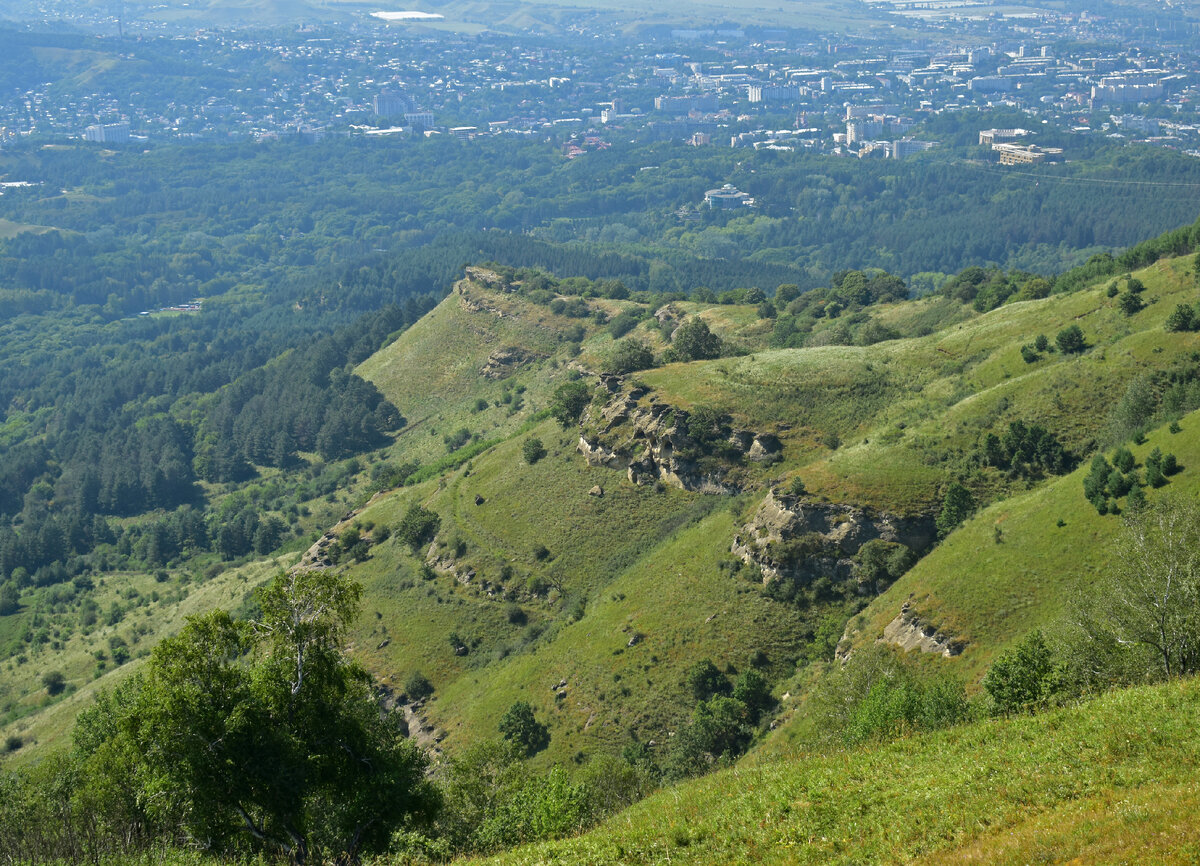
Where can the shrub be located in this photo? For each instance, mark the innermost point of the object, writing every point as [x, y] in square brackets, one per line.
[1023, 678]
[621, 324]
[533, 450]
[1182, 319]
[719, 731]
[693, 341]
[956, 507]
[417, 526]
[1130, 303]
[752, 690]
[54, 681]
[568, 402]
[1070, 340]
[704, 681]
[418, 686]
[628, 356]
[521, 727]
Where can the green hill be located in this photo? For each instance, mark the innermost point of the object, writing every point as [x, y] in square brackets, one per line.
[1108, 781]
[748, 509]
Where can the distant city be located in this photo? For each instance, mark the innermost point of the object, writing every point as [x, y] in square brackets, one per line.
[755, 88]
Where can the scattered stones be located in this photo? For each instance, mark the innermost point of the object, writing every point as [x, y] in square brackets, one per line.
[479, 500]
[596, 491]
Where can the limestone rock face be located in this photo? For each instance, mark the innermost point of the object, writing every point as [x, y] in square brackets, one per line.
[909, 631]
[506, 361]
[800, 539]
[649, 440]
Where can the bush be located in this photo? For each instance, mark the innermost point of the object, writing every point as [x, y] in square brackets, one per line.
[1130, 303]
[621, 324]
[879, 694]
[521, 727]
[1023, 678]
[533, 450]
[1070, 340]
[704, 681]
[718, 733]
[628, 356]
[693, 341]
[1182, 319]
[956, 507]
[417, 686]
[55, 682]
[568, 402]
[417, 526]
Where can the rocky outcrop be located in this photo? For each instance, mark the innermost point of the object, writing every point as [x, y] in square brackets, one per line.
[801, 539]
[445, 563]
[504, 362]
[650, 440]
[909, 632]
[488, 278]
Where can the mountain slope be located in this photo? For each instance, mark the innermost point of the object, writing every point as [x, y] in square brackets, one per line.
[1110, 780]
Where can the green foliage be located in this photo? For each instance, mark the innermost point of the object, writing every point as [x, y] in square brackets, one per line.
[1095, 483]
[533, 450]
[628, 356]
[719, 731]
[457, 439]
[262, 734]
[417, 686]
[1027, 450]
[568, 402]
[1182, 318]
[881, 562]
[879, 695]
[753, 690]
[418, 526]
[1130, 303]
[1143, 620]
[1070, 340]
[957, 506]
[1024, 678]
[621, 324]
[54, 682]
[493, 800]
[693, 341]
[521, 727]
[704, 681]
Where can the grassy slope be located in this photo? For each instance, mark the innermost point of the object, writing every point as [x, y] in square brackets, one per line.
[641, 560]
[907, 410]
[645, 562]
[432, 372]
[142, 627]
[1111, 780]
[993, 593]
[918, 404]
